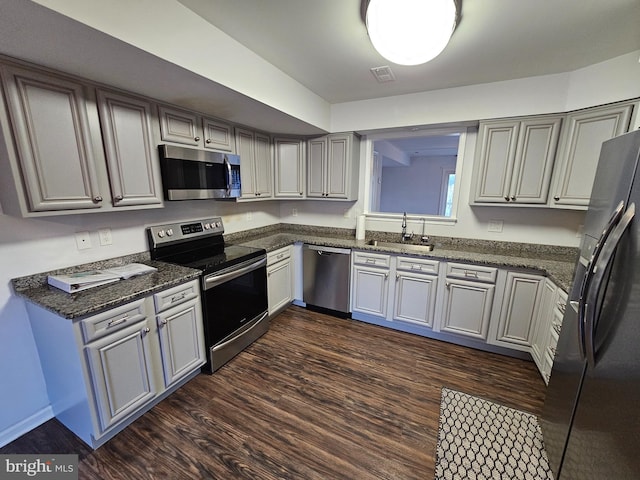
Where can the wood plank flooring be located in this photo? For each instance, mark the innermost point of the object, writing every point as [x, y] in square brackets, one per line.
[317, 397]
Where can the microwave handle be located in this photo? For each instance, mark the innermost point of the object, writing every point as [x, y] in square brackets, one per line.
[229, 176]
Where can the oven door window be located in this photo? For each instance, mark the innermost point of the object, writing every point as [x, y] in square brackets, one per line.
[232, 304]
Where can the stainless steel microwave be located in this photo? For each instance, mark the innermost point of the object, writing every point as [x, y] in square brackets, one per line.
[191, 174]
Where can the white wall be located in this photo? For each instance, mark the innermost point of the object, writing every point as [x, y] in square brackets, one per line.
[29, 246]
[415, 188]
[615, 79]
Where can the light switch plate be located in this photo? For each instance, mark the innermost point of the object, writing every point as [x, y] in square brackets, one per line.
[495, 226]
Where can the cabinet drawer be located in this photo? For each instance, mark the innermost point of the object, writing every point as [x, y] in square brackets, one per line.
[371, 259]
[472, 272]
[278, 255]
[175, 295]
[112, 320]
[417, 265]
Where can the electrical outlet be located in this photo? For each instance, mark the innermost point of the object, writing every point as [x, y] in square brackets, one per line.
[83, 240]
[105, 236]
[249, 216]
[346, 213]
[495, 226]
[580, 231]
[294, 212]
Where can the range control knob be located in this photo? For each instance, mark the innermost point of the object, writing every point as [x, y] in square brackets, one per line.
[161, 233]
[170, 232]
[218, 224]
[207, 226]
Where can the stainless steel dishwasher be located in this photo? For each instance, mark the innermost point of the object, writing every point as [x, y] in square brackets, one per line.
[326, 278]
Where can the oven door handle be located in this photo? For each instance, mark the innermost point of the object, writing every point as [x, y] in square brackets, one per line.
[239, 334]
[214, 280]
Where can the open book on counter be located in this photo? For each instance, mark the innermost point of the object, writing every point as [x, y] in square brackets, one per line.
[76, 282]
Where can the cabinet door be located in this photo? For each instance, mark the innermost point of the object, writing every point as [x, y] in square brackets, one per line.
[497, 148]
[263, 166]
[120, 369]
[130, 147]
[245, 148]
[534, 158]
[316, 167]
[543, 325]
[467, 308]
[181, 341]
[370, 291]
[580, 151]
[415, 297]
[279, 285]
[53, 139]
[180, 126]
[289, 168]
[218, 135]
[519, 309]
[338, 161]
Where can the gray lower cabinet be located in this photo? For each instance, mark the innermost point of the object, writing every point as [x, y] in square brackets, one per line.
[468, 298]
[279, 279]
[515, 327]
[104, 371]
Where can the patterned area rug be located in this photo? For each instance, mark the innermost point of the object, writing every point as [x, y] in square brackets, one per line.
[479, 439]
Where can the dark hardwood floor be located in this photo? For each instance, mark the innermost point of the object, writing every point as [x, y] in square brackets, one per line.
[317, 397]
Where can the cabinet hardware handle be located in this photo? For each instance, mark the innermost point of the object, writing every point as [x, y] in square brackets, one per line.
[208, 140]
[468, 273]
[386, 275]
[118, 198]
[371, 260]
[556, 198]
[397, 276]
[145, 330]
[416, 267]
[513, 198]
[506, 198]
[177, 298]
[114, 322]
[97, 199]
[447, 284]
[280, 256]
[197, 139]
[300, 193]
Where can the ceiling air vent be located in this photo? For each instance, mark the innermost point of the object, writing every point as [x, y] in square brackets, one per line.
[383, 74]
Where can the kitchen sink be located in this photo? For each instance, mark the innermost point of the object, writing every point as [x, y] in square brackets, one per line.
[412, 247]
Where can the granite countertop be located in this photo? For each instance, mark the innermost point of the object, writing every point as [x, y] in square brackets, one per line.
[558, 263]
[34, 288]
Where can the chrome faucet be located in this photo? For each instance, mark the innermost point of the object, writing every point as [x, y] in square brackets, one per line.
[424, 238]
[405, 235]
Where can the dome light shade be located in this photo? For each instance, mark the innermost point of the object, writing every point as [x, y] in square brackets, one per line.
[410, 32]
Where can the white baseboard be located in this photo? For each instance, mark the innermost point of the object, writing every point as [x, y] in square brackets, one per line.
[8, 435]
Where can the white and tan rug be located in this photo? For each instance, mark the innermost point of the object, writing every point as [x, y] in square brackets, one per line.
[479, 440]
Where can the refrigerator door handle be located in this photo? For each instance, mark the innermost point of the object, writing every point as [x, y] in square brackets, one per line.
[590, 271]
[599, 270]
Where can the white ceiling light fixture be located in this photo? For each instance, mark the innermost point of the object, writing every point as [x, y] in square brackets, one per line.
[411, 32]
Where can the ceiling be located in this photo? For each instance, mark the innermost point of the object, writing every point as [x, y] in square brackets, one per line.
[323, 44]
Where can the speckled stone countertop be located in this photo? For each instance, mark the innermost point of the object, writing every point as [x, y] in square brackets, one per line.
[34, 288]
[558, 263]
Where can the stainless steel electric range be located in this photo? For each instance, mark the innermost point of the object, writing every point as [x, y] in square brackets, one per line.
[233, 283]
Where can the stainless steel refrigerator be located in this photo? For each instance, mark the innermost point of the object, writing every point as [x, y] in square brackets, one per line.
[591, 416]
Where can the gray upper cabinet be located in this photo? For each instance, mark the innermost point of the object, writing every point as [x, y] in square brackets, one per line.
[256, 164]
[129, 128]
[190, 128]
[582, 139]
[289, 178]
[55, 149]
[515, 160]
[332, 165]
